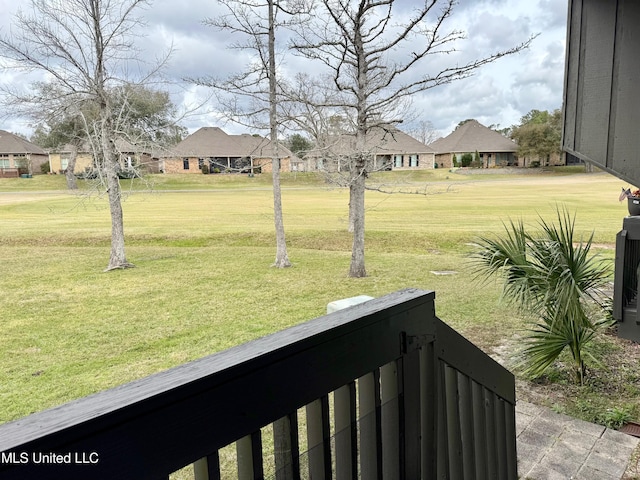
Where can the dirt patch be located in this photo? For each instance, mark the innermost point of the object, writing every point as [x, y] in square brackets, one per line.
[612, 386]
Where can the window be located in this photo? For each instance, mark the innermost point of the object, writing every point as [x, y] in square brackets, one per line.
[200, 163]
[185, 164]
[413, 160]
[20, 161]
[397, 161]
[4, 161]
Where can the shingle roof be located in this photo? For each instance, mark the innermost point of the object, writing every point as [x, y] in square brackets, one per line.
[380, 142]
[122, 146]
[214, 142]
[10, 143]
[395, 141]
[472, 136]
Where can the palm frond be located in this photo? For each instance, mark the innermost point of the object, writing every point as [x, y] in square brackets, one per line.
[552, 276]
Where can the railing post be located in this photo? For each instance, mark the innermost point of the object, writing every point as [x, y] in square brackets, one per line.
[390, 421]
[318, 438]
[249, 457]
[345, 416]
[428, 411]
[501, 439]
[201, 469]
[286, 449]
[369, 400]
[480, 431]
[465, 404]
[492, 454]
[344, 408]
[207, 468]
[453, 423]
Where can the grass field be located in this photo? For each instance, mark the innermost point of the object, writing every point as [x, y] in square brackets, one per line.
[203, 246]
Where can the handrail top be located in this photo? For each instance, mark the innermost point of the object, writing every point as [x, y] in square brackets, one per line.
[183, 380]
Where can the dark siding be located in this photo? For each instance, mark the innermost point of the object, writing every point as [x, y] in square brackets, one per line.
[602, 105]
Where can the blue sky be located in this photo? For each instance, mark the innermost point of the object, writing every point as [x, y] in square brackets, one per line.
[498, 94]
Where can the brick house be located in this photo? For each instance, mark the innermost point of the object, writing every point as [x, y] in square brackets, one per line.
[493, 148]
[18, 155]
[220, 152]
[390, 149]
[131, 156]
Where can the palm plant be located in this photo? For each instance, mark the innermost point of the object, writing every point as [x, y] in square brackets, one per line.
[553, 277]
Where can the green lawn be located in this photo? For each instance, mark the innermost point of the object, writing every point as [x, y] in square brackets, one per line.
[203, 246]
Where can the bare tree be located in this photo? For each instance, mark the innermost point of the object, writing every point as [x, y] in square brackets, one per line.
[424, 131]
[85, 48]
[251, 96]
[372, 59]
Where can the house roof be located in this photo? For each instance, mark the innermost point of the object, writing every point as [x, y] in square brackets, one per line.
[380, 141]
[122, 145]
[473, 136]
[214, 142]
[392, 140]
[13, 144]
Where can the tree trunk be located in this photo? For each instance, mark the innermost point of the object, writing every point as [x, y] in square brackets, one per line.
[118, 258]
[71, 166]
[351, 228]
[282, 259]
[356, 209]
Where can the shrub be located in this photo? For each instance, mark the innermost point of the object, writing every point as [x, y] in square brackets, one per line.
[466, 159]
[552, 277]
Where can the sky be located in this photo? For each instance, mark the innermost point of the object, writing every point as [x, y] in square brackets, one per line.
[498, 94]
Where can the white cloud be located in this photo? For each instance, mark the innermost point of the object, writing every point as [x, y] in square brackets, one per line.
[498, 94]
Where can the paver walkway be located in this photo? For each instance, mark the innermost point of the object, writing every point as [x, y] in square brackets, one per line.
[552, 446]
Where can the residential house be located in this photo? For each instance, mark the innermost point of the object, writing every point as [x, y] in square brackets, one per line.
[19, 156]
[390, 149]
[494, 149]
[213, 150]
[131, 156]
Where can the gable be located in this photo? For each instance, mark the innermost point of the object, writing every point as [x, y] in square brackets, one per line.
[473, 136]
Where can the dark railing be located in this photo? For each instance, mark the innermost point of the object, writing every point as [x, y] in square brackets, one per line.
[380, 390]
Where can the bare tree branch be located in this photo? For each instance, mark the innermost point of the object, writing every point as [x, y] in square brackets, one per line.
[372, 65]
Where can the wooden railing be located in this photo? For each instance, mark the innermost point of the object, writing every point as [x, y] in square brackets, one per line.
[381, 390]
[9, 172]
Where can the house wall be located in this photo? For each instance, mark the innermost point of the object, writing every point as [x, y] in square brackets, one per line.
[555, 159]
[265, 164]
[444, 160]
[30, 161]
[498, 159]
[176, 165]
[425, 161]
[83, 162]
[35, 161]
[148, 164]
